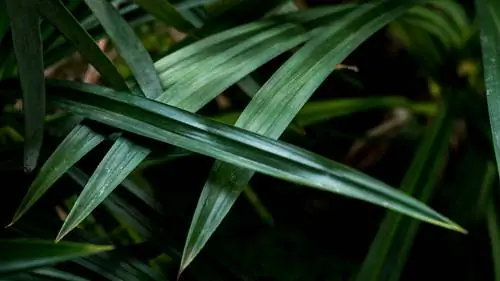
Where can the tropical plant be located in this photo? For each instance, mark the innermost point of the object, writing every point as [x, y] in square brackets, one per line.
[153, 110]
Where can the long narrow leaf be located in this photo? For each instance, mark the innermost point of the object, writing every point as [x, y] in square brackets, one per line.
[233, 145]
[489, 18]
[124, 156]
[128, 46]
[193, 92]
[77, 144]
[276, 104]
[59, 16]
[23, 254]
[26, 36]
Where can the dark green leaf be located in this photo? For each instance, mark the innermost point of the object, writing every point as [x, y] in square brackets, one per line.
[25, 25]
[55, 274]
[166, 12]
[128, 46]
[236, 146]
[77, 144]
[23, 254]
[122, 158]
[59, 16]
[276, 104]
[489, 18]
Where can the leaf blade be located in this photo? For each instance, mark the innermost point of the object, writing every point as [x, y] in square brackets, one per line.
[128, 46]
[26, 36]
[489, 18]
[163, 10]
[23, 254]
[59, 16]
[77, 144]
[119, 162]
[202, 135]
[276, 104]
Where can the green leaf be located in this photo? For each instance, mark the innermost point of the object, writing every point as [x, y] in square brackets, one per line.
[122, 158]
[494, 233]
[489, 17]
[128, 46]
[23, 254]
[163, 10]
[77, 144]
[60, 17]
[276, 104]
[236, 146]
[226, 68]
[192, 92]
[391, 246]
[25, 25]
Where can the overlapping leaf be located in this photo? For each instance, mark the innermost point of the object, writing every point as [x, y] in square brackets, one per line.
[76, 145]
[124, 156]
[164, 123]
[261, 48]
[276, 104]
[128, 46]
[119, 162]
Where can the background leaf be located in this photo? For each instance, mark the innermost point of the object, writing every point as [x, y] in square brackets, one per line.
[391, 246]
[22, 254]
